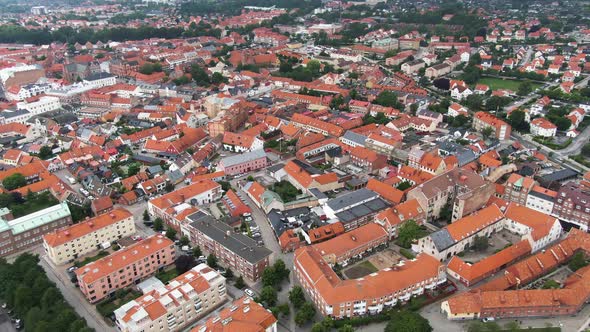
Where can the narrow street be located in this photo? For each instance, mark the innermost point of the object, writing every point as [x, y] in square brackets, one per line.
[75, 298]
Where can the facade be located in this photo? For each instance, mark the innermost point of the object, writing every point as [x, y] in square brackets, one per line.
[243, 315]
[517, 188]
[543, 127]
[497, 299]
[501, 129]
[463, 190]
[27, 231]
[174, 307]
[572, 205]
[371, 294]
[541, 199]
[354, 243]
[168, 206]
[244, 163]
[67, 244]
[235, 250]
[125, 267]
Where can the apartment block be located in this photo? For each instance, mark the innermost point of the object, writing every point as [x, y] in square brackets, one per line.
[354, 243]
[125, 267]
[175, 306]
[517, 188]
[243, 163]
[463, 190]
[170, 205]
[233, 249]
[244, 315]
[27, 231]
[368, 295]
[501, 129]
[572, 204]
[67, 244]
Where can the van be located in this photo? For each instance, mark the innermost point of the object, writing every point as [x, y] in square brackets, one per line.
[105, 245]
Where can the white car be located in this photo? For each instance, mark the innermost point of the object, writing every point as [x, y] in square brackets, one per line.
[488, 319]
[249, 292]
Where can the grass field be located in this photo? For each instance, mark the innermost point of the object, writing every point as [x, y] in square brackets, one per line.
[360, 270]
[498, 83]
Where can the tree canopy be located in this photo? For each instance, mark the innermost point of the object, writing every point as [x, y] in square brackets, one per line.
[14, 181]
[407, 321]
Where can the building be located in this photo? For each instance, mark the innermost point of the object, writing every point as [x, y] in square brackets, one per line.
[125, 267]
[462, 190]
[233, 249]
[412, 67]
[68, 243]
[175, 306]
[340, 249]
[437, 70]
[241, 143]
[541, 199]
[27, 231]
[243, 163]
[170, 205]
[371, 294]
[460, 235]
[354, 209]
[243, 315]
[543, 127]
[315, 125]
[500, 129]
[517, 188]
[572, 205]
[496, 299]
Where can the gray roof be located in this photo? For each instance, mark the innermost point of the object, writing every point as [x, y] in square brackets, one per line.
[541, 195]
[352, 198]
[560, 175]
[442, 239]
[241, 158]
[238, 243]
[317, 194]
[275, 168]
[98, 76]
[7, 114]
[362, 210]
[354, 137]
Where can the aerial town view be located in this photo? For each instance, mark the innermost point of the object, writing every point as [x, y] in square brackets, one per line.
[294, 165]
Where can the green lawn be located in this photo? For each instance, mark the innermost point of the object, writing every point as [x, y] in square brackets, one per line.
[166, 276]
[369, 266]
[498, 83]
[91, 259]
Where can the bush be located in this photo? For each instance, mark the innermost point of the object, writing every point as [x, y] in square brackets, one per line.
[407, 253]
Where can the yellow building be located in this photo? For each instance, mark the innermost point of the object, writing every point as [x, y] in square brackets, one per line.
[67, 244]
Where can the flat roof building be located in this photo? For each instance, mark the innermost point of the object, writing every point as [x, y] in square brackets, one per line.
[175, 306]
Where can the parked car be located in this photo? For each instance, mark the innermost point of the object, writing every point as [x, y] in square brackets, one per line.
[72, 268]
[249, 292]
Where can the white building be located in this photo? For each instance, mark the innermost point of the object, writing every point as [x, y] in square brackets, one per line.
[176, 306]
[543, 127]
[42, 105]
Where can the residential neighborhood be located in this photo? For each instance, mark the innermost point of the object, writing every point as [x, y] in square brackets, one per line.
[283, 166]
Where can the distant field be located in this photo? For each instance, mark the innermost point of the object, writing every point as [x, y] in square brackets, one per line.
[498, 83]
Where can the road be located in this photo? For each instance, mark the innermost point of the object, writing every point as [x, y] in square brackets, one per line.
[528, 55]
[74, 296]
[270, 242]
[577, 144]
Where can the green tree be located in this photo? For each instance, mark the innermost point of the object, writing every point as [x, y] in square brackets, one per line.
[408, 232]
[197, 251]
[171, 233]
[146, 215]
[33, 317]
[586, 150]
[229, 274]
[45, 152]
[133, 169]
[184, 240]
[387, 99]
[297, 297]
[240, 284]
[481, 243]
[487, 132]
[158, 224]
[474, 102]
[525, 88]
[551, 284]
[217, 78]
[578, 261]
[14, 181]
[305, 314]
[212, 261]
[405, 321]
[517, 119]
[200, 76]
[314, 66]
[346, 328]
[268, 296]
